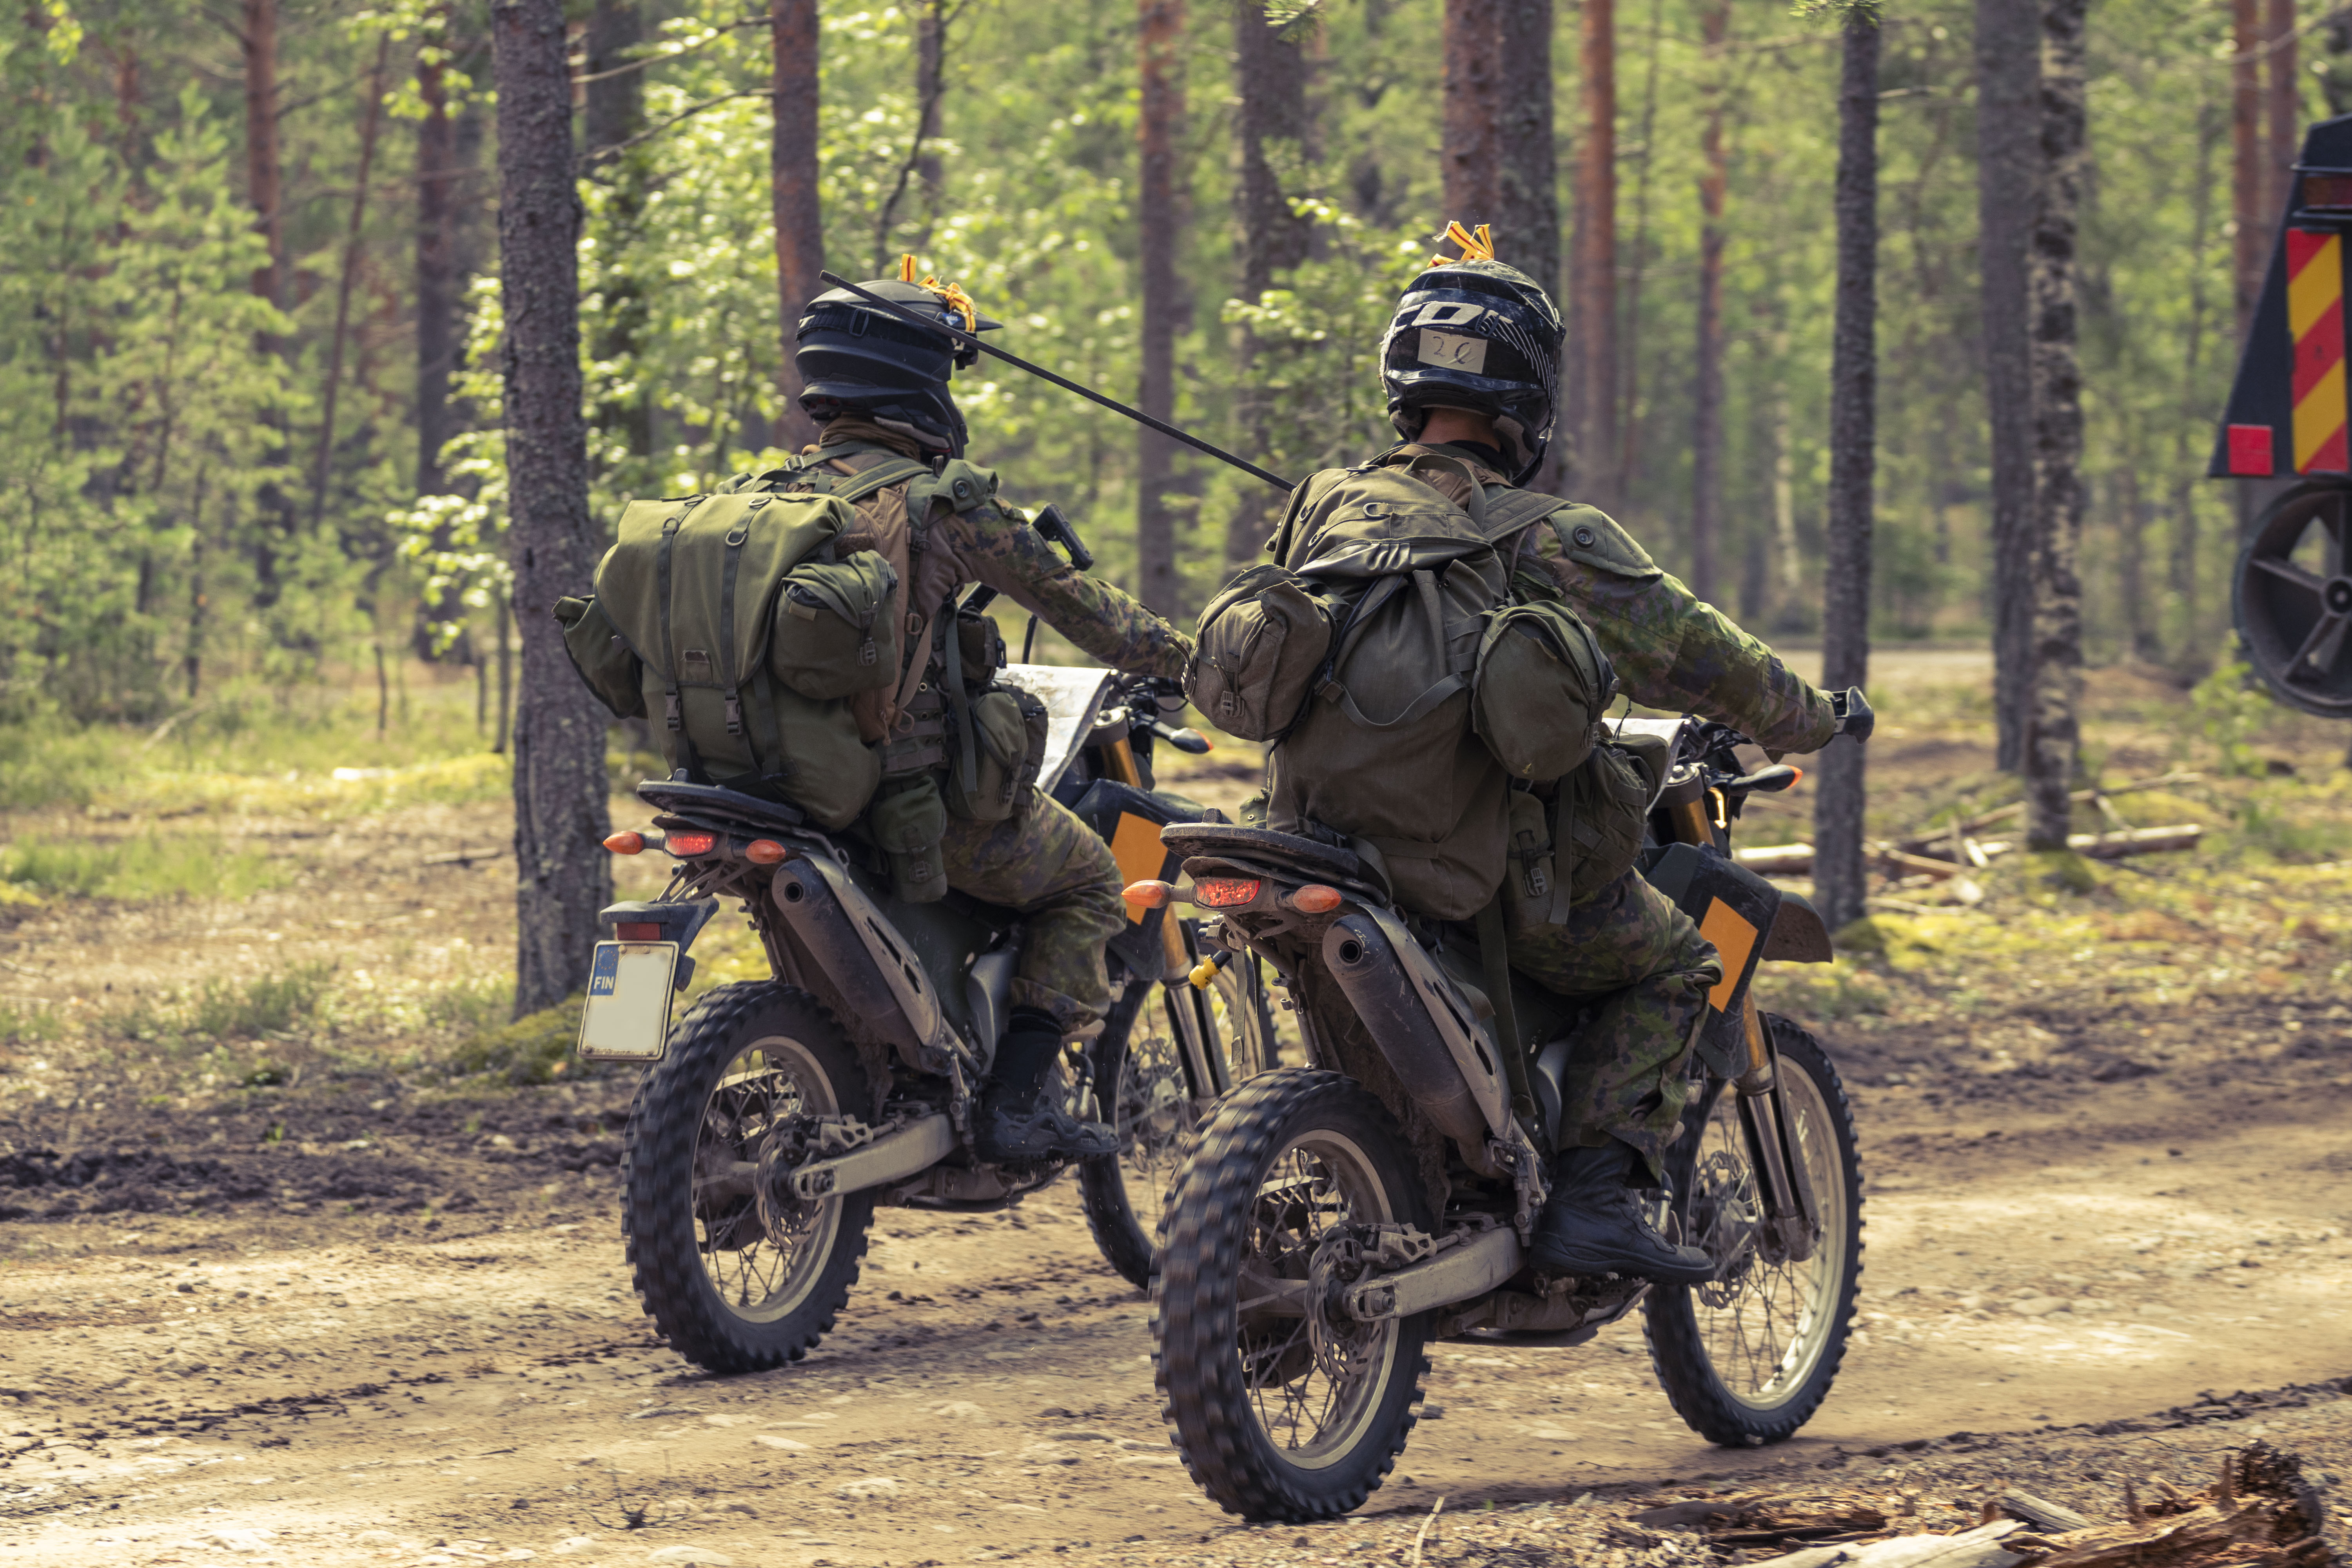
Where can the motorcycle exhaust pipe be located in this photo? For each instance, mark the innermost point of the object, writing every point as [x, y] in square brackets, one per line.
[1372, 975]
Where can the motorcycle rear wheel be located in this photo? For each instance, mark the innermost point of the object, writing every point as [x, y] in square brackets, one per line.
[1283, 1407]
[1746, 1361]
[729, 1294]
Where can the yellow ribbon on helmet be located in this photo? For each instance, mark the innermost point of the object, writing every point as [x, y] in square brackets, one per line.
[1476, 247]
[951, 295]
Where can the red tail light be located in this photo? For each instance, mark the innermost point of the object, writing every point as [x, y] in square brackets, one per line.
[636, 930]
[684, 844]
[1225, 892]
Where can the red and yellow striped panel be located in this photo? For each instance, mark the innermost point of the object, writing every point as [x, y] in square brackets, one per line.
[2315, 314]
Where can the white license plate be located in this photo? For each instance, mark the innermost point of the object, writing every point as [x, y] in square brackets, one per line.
[629, 988]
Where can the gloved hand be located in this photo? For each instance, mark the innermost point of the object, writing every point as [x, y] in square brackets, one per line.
[1853, 714]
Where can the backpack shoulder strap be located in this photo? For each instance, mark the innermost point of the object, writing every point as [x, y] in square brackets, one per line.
[880, 477]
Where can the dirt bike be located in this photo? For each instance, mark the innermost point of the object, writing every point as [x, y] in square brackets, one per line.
[1331, 1221]
[776, 1115]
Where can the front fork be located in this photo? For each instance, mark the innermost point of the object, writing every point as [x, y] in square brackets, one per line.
[1791, 1216]
[1192, 1020]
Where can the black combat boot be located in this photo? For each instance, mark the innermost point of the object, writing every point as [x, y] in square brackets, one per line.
[1593, 1224]
[1016, 1125]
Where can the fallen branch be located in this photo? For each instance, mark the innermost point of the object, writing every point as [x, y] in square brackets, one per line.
[465, 856]
[1797, 860]
[1980, 1548]
[2041, 1513]
[1968, 825]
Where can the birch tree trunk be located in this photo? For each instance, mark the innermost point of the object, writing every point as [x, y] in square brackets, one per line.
[563, 877]
[792, 190]
[1160, 222]
[2008, 49]
[1592, 284]
[1707, 415]
[1276, 128]
[1840, 874]
[2054, 739]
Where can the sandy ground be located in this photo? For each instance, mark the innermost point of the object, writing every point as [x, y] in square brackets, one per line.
[365, 1318]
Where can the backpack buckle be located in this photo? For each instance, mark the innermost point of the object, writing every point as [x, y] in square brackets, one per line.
[674, 711]
[734, 712]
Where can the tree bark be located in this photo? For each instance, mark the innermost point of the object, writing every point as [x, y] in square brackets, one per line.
[1706, 416]
[344, 276]
[436, 266]
[258, 40]
[562, 875]
[1276, 129]
[2246, 148]
[2193, 648]
[1471, 125]
[1839, 873]
[930, 87]
[1527, 212]
[616, 102]
[2285, 104]
[793, 179]
[2009, 70]
[2053, 740]
[1160, 220]
[1592, 284]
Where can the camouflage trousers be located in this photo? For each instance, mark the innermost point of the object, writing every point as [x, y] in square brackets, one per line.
[1044, 862]
[1642, 959]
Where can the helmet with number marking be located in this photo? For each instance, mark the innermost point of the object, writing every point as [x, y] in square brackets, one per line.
[1478, 335]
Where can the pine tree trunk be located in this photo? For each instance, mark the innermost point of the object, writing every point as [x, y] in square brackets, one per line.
[616, 98]
[2052, 742]
[1275, 127]
[2283, 105]
[1592, 284]
[2191, 649]
[1526, 223]
[345, 276]
[622, 409]
[1470, 130]
[1160, 222]
[1707, 418]
[2246, 149]
[793, 179]
[930, 88]
[436, 270]
[2008, 69]
[258, 40]
[563, 877]
[1840, 874]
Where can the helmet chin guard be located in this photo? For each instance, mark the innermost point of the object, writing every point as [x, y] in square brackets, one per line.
[1476, 335]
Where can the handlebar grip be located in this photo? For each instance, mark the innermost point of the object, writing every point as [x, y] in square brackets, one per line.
[1853, 713]
[1188, 741]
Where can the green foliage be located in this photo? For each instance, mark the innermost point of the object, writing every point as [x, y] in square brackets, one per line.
[2230, 710]
[152, 865]
[270, 1004]
[534, 1048]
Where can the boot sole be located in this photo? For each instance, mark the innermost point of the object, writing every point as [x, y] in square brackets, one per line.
[1588, 1265]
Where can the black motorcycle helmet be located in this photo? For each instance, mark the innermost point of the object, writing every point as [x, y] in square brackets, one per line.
[1477, 335]
[855, 357]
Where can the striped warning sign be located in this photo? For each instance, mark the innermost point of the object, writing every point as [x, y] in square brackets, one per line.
[2315, 311]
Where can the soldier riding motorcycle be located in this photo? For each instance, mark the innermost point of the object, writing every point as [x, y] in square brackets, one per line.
[1519, 951]
[851, 759]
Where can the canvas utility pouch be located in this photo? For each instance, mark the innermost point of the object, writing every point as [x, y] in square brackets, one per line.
[1541, 686]
[836, 633]
[1260, 644]
[986, 757]
[1598, 817]
[1533, 892]
[603, 657]
[907, 821]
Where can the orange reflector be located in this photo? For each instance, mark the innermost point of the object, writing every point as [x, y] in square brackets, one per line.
[1225, 892]
[636, 930]
[1150, 894]
[1314, 898]
[693, 842]
[764, 852]
[1799, 779]
[626, 843]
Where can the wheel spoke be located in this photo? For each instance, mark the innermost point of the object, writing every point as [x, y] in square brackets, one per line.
[2315, 659]
[2288, 573]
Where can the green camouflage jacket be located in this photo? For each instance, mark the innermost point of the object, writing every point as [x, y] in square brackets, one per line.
[1672, 651]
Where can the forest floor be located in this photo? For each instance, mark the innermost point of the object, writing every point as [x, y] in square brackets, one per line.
[304, 1260]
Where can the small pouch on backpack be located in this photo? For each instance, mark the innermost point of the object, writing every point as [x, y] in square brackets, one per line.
[1037, 719]
[1541, 689]
[985, 765]
[1598, 819]
[907, 820]
[1261, 643]
[603, 657]
[982, 648]
[835, 634]
[1533, 893]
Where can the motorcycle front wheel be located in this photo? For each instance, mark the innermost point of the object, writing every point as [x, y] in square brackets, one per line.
[1746, 1360]
[730, 1291]
[1284, 1406]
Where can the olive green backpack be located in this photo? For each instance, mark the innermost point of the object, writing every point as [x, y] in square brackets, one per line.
[732, 619]
[1405, 679]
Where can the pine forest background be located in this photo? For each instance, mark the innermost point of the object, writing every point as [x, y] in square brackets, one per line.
[184, 517]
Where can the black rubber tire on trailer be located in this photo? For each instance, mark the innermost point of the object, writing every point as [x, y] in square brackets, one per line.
[744, 1057]
[1315, 1122]
[1699, 1336]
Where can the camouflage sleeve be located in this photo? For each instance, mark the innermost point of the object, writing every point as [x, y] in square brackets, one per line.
[1672, 651]
[999, 548]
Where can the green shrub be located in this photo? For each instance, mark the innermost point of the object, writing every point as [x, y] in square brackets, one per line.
[270, 1004]
[534, 1048]
[153, 865]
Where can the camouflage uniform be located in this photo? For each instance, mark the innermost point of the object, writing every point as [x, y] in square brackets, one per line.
[1629, 946]
[1042, 860]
